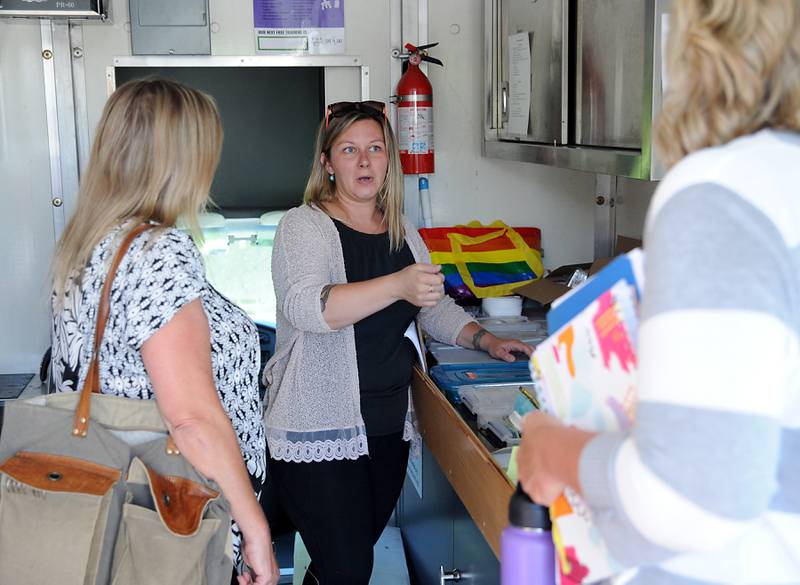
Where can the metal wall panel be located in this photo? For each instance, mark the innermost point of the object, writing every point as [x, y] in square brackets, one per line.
[178, 27]
[26, 217]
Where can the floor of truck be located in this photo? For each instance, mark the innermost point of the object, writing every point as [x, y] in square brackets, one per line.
[390, 560]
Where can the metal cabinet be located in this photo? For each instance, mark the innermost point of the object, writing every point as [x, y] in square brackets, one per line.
[457, 523]
[438, 532]
[609, 76]
[545, 24]
[472, 556]
[426, 523]
[595, 83]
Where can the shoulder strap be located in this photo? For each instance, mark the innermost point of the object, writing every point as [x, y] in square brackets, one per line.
[92, 383]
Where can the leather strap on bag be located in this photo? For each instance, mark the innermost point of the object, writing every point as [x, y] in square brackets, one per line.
[80, 425]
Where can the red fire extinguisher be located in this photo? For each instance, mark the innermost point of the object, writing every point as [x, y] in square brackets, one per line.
[415, 113]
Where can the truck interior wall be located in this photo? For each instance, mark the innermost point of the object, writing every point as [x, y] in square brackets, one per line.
[633, 199]
[367, 36]
[466, 186]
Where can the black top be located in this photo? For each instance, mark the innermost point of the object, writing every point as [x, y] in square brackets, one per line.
[385, 357]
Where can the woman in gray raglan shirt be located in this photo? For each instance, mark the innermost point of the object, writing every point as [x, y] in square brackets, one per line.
[350, 276]
[705, 488]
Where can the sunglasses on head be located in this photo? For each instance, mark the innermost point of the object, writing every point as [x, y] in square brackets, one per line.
[372, 108]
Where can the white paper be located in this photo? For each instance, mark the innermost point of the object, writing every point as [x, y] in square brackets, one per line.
[411, 333]
[414, 471]
[414, 467]
[519, 83]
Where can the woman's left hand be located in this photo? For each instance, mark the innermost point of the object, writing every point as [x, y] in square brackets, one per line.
[501, 349]
[262, 567]
[538, 430]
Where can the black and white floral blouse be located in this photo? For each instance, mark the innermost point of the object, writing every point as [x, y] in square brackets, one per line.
[162, 272]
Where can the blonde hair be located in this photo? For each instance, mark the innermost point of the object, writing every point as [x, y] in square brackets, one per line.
[320, 189]
[155, 151]
[733, 68]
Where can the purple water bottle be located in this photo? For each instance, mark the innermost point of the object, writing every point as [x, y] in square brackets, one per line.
[527, 554]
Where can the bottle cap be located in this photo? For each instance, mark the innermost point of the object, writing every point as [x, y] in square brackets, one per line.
[524, 513]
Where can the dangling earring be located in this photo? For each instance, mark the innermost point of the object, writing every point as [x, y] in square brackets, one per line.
[331, 178]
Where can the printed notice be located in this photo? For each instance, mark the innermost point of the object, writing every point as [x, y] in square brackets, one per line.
[307, 27]
[519, 83]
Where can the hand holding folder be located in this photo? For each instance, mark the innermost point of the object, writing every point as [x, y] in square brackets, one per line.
[585, 375]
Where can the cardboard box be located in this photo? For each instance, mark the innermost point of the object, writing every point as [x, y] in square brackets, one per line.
[549, 288]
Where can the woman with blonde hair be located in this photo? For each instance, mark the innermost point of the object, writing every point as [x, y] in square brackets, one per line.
[705, 487]
[350, 275]
[170, 336]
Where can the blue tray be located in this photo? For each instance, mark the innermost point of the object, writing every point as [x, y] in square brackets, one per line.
[450, 376]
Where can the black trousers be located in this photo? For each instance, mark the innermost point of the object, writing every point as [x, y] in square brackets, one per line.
[340, 508]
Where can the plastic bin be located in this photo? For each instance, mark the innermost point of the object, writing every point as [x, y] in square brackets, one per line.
[489, 401]
[532, 332]
[503, 430]
[515, 327]
[451, 377]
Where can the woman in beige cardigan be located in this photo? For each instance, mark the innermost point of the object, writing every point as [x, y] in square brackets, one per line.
[350, 275]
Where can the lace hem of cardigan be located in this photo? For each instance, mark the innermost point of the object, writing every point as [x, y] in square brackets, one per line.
[315, 451]
[334, 444]
[411, 433]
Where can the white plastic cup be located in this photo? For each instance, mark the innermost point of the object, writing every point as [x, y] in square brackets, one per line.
[510, 306]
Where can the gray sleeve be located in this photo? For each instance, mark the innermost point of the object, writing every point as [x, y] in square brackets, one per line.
[711, 251]
[445, 320]
[596, 474]
[710, 256]
[709, 248]
[300, 270]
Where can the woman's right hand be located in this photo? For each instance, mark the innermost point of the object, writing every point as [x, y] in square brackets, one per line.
[261, 563]
[420, 284]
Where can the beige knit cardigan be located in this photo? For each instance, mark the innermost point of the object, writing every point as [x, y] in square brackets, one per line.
[313, 406]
